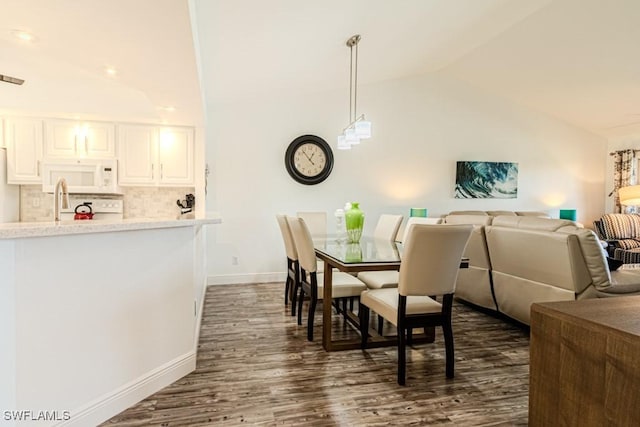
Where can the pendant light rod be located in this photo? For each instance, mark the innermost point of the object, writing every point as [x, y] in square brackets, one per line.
[353, 77]
[358, 128]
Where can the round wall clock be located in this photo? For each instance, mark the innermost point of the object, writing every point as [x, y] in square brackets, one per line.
[309, 159]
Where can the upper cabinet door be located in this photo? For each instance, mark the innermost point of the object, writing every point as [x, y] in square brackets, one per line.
[176, 156]
[70, 138]
[23, 138]
[137, 154]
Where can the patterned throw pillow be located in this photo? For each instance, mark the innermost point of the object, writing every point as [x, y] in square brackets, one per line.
[620, 226]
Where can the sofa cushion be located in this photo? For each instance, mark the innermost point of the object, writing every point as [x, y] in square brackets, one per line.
[501, 213]
[468, 219]
[468, 213]
[533, 213]
[533, 223]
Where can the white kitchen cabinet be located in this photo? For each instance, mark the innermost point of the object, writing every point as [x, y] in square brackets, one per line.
[24, 140]
[136, 154]
[71, 138]
[176, 156]
[155, 155]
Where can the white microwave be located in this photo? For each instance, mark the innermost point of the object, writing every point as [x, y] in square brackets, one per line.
[85, 176]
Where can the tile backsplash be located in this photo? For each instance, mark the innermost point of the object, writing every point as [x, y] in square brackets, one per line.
[139, 202]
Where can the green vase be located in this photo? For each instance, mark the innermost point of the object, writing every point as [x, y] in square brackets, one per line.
[354, 219]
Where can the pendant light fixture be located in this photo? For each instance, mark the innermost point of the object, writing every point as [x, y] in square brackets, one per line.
[358, 128]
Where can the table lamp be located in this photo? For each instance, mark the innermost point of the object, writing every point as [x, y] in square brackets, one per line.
[629, 196]
[568, 214]
[420, 212]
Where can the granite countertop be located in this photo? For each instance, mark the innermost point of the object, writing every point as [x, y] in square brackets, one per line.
[19, 230]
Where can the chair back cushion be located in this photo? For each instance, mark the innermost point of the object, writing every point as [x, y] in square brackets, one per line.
[417, 220]
[316, 222]
[304, 244]
[289, 245]
[387, 227]
[431, 259]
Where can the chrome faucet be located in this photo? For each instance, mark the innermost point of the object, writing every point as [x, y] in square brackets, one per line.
[60, 191]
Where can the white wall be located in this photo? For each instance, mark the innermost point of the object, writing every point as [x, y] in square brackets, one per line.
[421, 126]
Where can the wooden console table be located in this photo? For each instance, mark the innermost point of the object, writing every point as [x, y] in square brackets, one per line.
[585, 363]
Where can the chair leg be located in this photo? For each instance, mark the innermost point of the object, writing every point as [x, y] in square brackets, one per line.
[351, 299]
[448, 345]
[402, 356]
[287, 289]
[312, 310]
[300, 299]
[294, 298]
[363, 314]
[409, 336]
[380, 324]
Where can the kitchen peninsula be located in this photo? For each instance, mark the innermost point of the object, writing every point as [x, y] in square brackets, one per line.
[97, 315]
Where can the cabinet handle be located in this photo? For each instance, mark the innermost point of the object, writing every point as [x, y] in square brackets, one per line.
[161, 171]
[153, 175]
[38, 171]
[86, 145]
[75, 144]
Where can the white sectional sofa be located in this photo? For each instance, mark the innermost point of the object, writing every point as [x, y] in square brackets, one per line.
[519, 260]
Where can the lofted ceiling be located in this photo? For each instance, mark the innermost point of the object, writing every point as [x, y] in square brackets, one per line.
[573, 59]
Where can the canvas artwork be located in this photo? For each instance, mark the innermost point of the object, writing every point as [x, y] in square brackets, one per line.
[486, 180]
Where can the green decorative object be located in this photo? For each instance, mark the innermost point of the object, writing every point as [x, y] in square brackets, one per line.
[353, 253]
[354, 219]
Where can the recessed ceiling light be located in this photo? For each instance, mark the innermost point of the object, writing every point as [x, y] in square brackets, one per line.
[110, 71]
[21, 35]
[168, 108]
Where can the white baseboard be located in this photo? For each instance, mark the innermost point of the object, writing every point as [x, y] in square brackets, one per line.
[113, 403]
[234, 279]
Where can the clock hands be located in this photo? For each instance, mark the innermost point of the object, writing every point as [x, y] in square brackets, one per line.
[309, 158]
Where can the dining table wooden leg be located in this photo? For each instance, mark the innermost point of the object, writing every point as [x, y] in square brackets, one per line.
[326, 307]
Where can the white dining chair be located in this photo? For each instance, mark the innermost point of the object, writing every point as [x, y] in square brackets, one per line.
[429, 268]
[292, 283]
[416, 220]
[387, 227]
[389, 278]
[316, 222]
[317, 225]
[312, 281]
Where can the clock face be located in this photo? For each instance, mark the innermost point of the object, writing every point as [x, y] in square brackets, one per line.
[309, 159]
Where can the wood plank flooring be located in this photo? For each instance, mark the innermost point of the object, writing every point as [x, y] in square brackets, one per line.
[255, 367]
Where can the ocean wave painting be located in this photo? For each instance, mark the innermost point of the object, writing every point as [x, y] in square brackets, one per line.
[486, 180]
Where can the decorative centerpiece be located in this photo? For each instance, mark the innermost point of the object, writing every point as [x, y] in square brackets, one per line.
[353, 253]
[354, 219]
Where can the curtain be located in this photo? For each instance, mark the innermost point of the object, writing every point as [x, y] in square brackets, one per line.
[623, 171]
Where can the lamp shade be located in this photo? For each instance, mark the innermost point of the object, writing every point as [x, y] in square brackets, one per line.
[419, 212]
[629, 196]
[350, 136]
[568, 214]
[343, 144]
[363, 129]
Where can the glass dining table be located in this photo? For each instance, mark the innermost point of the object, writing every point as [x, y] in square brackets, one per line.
[368, 255]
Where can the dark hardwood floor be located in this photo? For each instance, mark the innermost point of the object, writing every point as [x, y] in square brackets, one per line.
[255, 367]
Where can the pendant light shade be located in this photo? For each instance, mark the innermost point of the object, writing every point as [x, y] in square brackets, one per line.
[363, 129]
[358, 128]
[343, 144]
